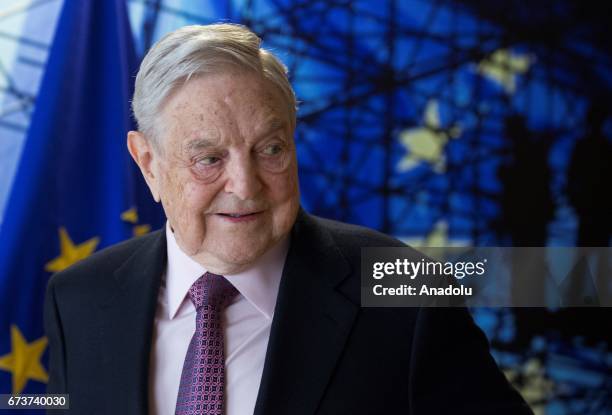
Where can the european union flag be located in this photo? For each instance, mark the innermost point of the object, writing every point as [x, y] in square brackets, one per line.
[76, 190]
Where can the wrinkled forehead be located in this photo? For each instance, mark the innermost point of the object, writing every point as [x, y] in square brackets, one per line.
[235, 90]
[228, 100]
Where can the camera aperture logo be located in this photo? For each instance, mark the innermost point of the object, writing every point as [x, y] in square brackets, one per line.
[416, 286]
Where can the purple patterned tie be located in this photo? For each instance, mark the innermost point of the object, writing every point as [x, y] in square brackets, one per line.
[202, 380]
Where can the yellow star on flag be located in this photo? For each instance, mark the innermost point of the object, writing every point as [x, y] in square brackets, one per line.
[24, 360]
[130, 215]
[71, 253]
[141, 230]
[427, 143]
[503, 67]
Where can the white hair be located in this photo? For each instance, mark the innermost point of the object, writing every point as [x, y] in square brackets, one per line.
[199, 50]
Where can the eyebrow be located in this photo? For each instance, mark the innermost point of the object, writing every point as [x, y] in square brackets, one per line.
[273, 124]
[200, 143]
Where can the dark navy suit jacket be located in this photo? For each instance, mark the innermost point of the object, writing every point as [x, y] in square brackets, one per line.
[326, 354]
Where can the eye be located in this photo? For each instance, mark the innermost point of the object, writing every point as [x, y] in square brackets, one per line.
[208, 161]
[272, 149]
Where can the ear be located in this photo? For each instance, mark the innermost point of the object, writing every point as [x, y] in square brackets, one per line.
[147, 159]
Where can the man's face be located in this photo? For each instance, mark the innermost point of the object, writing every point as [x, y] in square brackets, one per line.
[226, 170]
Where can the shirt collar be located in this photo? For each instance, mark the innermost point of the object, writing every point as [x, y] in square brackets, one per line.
[258, 284]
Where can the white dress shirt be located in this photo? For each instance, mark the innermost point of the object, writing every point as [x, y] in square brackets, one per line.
[247, 322]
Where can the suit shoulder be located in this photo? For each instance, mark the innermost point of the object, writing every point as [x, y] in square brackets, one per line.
[348, 241]
[91, 270]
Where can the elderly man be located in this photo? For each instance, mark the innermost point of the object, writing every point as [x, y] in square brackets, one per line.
[244, 303]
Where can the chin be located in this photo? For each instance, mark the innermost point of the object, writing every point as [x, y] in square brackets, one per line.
[239, 256]
[244, 256]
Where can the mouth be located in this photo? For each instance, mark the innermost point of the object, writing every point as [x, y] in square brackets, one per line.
[239, 217]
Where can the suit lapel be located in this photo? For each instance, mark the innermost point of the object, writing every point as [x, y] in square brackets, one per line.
[128, 316]
[311, 323]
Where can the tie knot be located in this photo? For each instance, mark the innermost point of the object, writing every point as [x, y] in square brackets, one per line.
[213, 290]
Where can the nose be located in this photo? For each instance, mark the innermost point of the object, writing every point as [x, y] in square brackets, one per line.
[242, 177]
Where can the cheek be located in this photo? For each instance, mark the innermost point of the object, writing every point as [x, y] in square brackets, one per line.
[286, 200]
[186, 201]
[197, 200]
[283, 187]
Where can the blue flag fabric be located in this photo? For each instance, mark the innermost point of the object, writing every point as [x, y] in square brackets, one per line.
[76, 189]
